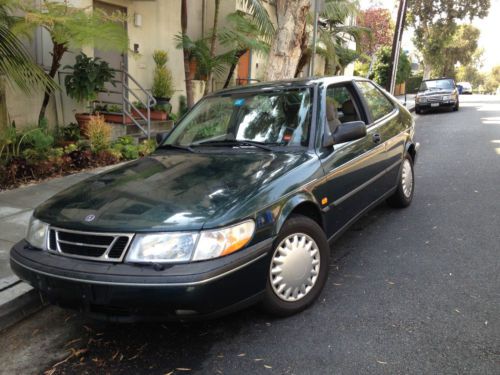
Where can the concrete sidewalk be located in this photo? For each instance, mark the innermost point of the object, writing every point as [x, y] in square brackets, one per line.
[17, 299]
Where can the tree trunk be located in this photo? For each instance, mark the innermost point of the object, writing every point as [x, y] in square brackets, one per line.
[237, 57]
[58, 50]
[189, 84]
[4, 118]
[212, 43]
[305, 58]
[427, 71]
[286, 47]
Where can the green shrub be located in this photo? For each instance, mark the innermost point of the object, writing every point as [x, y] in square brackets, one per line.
[88, 76]
[147, 147]
[99, 133]
[183, 108]
[130, 152]
[162, 78]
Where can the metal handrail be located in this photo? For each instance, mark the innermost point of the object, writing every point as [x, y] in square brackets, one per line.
[128, 106]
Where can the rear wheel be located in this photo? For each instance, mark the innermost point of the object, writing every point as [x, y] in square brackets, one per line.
[299, 267]
[403, 195]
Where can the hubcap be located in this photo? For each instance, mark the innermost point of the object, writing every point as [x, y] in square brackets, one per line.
[295, 267]
[407, 179]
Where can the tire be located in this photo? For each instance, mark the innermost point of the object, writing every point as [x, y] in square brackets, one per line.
[456, 107]
[296, 229]
[418, 110]
[403, 195]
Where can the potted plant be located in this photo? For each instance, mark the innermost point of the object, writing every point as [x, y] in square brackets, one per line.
[87, 78]
[162, 89]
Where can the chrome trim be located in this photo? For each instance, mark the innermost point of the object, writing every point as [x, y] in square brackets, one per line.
[193, 283]
[103, 258]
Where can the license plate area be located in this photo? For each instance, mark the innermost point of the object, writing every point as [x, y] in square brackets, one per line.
[434, 104]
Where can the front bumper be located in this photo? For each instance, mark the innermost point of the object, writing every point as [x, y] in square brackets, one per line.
[435, 105]
[127, 292]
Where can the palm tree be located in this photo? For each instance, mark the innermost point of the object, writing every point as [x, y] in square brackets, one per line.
[16, 64]
[73, 28]
[242, 35]
[333, 34]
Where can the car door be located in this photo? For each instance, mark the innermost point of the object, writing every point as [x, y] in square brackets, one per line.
[385, 125]
[350, 168]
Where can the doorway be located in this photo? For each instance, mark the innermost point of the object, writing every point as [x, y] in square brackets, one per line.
[116, 60]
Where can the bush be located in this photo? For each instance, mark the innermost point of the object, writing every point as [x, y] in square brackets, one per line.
[98, 133]
[147, 147]
[162, 78]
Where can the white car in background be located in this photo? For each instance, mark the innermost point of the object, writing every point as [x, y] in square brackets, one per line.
[466, 87]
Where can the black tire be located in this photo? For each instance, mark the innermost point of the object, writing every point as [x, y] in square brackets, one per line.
[456, 107]
[418, 110]
[400, 199]
[272, 303]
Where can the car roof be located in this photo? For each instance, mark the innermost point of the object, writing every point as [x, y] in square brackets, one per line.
[438, 79]
[289, 83]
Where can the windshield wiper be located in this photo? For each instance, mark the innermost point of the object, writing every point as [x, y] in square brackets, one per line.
[235, 142]
[176, 147]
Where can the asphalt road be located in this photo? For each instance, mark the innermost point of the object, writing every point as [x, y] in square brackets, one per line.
[413, 291]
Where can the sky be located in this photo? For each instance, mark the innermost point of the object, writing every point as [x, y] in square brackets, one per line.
[488, 26]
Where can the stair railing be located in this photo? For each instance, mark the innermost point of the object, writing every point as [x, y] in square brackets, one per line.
[128, 107]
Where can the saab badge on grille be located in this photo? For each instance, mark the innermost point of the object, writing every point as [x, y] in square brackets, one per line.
[89, 218]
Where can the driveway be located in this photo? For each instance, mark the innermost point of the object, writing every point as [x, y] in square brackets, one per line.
[413, 291]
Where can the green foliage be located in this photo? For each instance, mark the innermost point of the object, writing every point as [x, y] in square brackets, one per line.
[413, 83]
[436, 22]
[88, 76]
[98, 133]
[162, 78]
[381, 67]
[146, 147]
[183, 108]
[16, 63]
[166, 107]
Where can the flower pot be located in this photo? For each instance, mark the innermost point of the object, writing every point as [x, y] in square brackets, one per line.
[155, 115]
[192, 69]
[83, 119]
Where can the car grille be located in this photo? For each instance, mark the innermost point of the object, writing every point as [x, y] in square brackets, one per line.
[434, 98]
[106, 247]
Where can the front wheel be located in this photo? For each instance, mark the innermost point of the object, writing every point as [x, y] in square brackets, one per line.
[418, 110]
[456, 107]
[299, 267]
[403, 195]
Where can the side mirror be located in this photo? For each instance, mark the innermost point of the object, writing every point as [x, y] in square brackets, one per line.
[349, 131]
[160, 137]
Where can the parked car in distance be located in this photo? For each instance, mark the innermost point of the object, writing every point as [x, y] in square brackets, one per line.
[466, 88]
[237, 205]
[437, 93]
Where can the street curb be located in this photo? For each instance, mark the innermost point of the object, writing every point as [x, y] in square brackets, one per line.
[17, 302]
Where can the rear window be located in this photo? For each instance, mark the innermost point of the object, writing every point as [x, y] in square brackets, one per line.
[378, 104]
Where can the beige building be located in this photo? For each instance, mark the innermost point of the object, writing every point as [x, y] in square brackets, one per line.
[151, 25]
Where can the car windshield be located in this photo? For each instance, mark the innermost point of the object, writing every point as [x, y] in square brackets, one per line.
[280, 118]
[438, 84]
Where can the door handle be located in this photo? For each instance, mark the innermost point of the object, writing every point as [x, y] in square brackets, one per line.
[376, 138]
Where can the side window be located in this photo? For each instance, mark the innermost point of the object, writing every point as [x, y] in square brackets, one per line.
[340, 106]
[377, 102]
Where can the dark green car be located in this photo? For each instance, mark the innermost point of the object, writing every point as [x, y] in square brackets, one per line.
[237, 205]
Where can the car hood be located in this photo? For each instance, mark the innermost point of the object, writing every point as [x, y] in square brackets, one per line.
[166, 191]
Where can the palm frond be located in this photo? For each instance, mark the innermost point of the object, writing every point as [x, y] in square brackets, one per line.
[261, 16]
[16, 64]
[242, 33]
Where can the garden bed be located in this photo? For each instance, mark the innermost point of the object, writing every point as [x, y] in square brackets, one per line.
[36, 154]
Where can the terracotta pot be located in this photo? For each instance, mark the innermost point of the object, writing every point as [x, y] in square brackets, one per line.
[116, 119]
[155, 115]
[83, 119]
[193, 64]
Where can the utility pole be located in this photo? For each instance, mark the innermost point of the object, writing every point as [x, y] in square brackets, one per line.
[396, 46]
[319, 5]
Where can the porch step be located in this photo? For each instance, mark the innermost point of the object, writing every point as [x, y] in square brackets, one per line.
[120, 130]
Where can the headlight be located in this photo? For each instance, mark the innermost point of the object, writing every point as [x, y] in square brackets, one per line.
[183, 247]
[446, 97]
[421, 99]
[216, 243]
[37, 233]
[162, 247]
